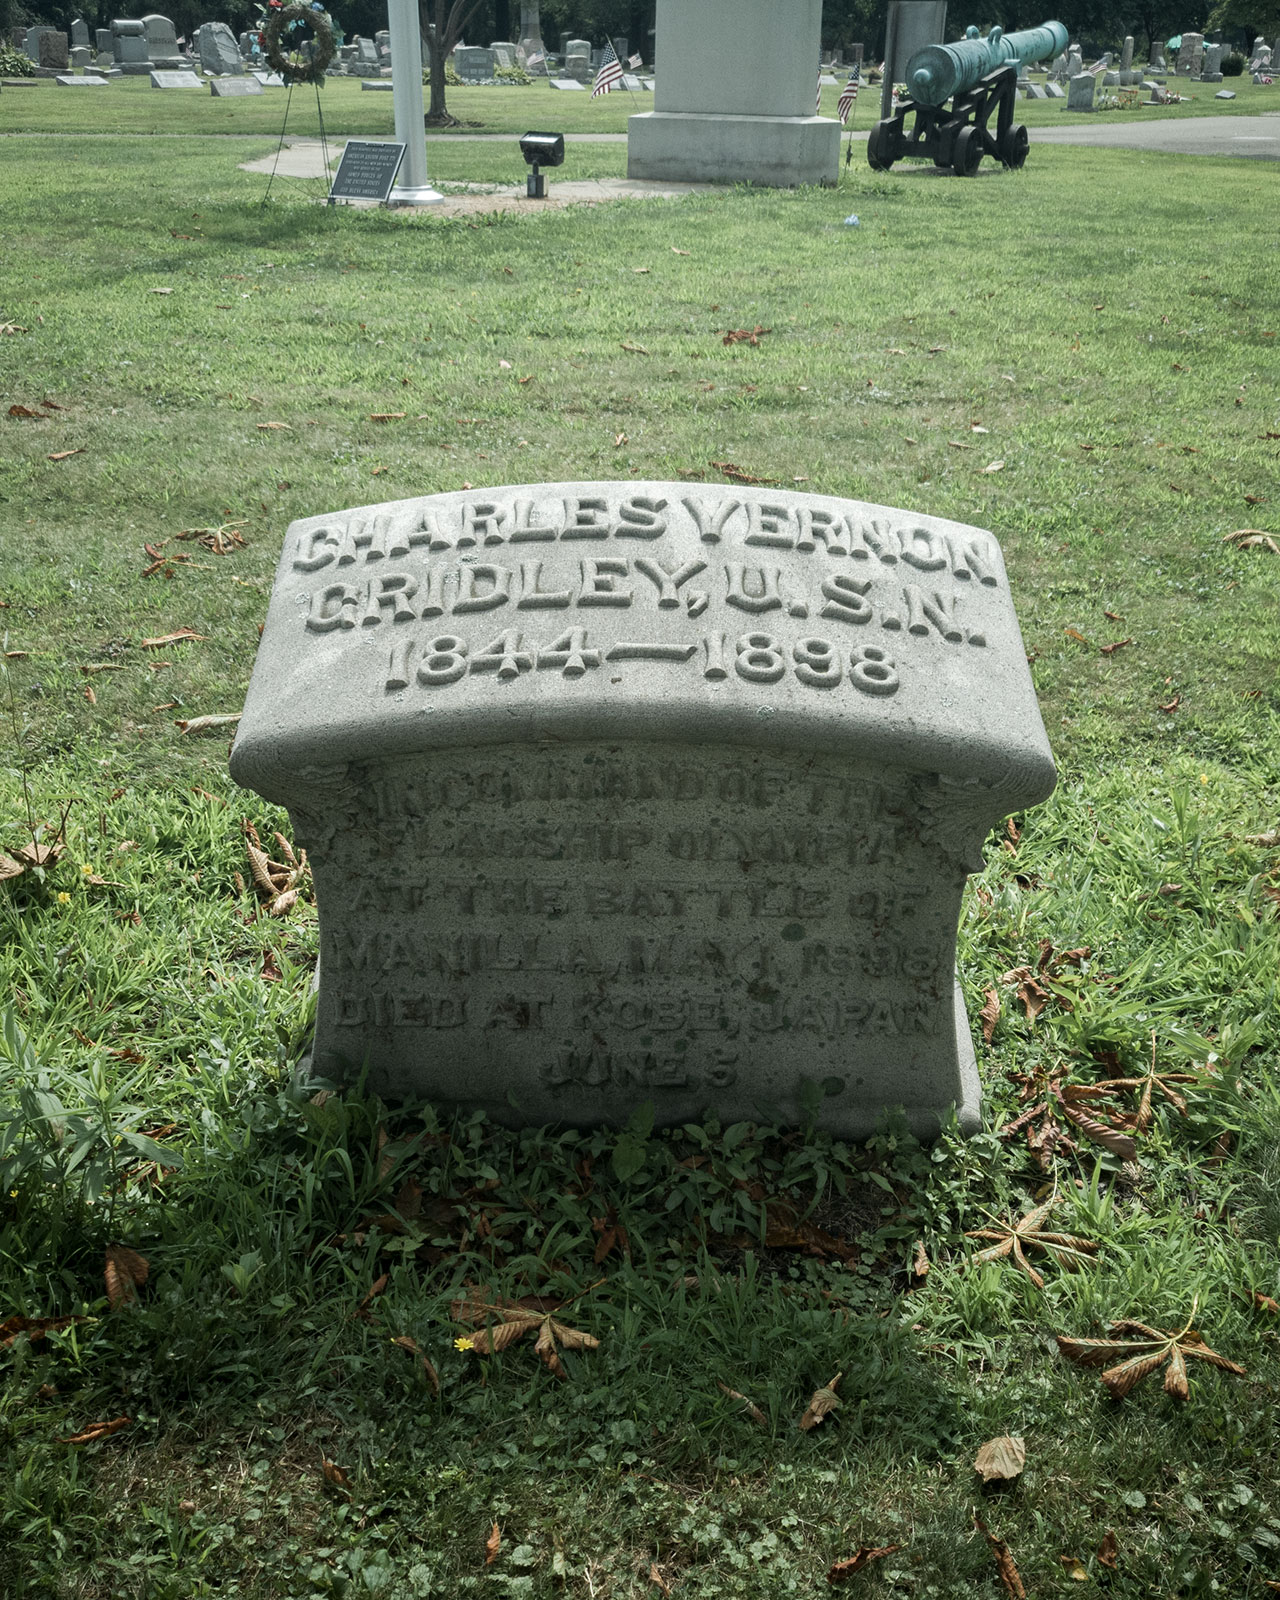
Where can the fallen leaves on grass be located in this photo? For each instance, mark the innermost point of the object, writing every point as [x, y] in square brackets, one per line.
[161, 562]
[1264, 1302]
[1001, 1460]
[35, 1328]
[181, 636]
[334, 1476]
[64, 455]
[921, 1266]
[1170, 706]
[221, 540]
[98, 1430]
[1034, 996]
[1147, 1083]
[862, 1557]
[492, 1545]
[12, 328]
[411, 1345]
[1242, 538]
[1005, 1565]
[739, 474]
[821, 1403]
[990, 1013]
[1076, 1569]
[994, 466]
[751, 1408]
[397, 416]
[274, 427]
[1110, 649]
[1108, 1551]
[1144, 1355]
[277, 882]
[205, 724]
[26, 411]
[635, 349]
[502, 1323]
[125, 1272]
[751, 336]
[1027, 1231]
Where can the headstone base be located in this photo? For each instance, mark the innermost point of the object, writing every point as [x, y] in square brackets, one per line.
[696, 147]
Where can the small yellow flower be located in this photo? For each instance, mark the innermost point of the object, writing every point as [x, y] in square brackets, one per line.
[88, 871]
[64, 899]
[464, 1343]
[1204, 777]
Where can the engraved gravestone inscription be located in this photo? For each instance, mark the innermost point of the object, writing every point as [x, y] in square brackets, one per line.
[644, 791]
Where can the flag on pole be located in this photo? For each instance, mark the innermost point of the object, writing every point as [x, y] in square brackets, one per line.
[635, 63]
[847, 96]
[536, 59]
[610, 73]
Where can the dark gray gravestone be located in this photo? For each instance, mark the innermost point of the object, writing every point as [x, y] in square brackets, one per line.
[618, 792]
[367, 170]
[234, 88]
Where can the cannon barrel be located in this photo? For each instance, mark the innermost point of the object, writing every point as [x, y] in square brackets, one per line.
[939, 71]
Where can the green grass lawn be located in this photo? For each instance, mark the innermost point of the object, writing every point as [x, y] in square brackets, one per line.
[1104, 325]
[131, 105]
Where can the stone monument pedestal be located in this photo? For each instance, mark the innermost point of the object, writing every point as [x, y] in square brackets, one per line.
[734, 97]
[627, 792]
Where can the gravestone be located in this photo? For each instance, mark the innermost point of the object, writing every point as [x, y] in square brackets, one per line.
[618, 792]
[474, 64]
[219, 51]
[1110, 80]
[54, 51]
[530, 38]
[621, 49]
[272, 80]
[1189, 54]
[367, 52]
[1156, 62]
[91, 81]
[80, 57]
[102, 38]
[1126, 53]
[129, 47]
[1211, 64]
[377, 84]
[504, 53]
[751, 123]
[162, 42]
[79, 34]
[1058, 71]
[577, 60]
[636, 85]
[234, 88]
[1075, 61]
[567, 84]
[1037, 91]
[164, 79]
[1225, 94]
[1055, 91]
[912, 25]
[1080, 92]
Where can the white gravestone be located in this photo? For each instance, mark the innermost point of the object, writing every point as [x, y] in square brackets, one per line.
[618, 792]
[175, 80]
[734, 101]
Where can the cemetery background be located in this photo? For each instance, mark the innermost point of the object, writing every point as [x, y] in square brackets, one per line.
[198, 367]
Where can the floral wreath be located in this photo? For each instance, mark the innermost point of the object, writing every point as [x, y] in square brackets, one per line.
[281, 21]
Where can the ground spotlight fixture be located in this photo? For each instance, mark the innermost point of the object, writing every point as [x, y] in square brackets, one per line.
[540, 150]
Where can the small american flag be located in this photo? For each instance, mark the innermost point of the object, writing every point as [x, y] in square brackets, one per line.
[847, 96]
[610, 73]
[635, 62]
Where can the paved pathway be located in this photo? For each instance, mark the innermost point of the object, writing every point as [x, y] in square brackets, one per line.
[1257, 138]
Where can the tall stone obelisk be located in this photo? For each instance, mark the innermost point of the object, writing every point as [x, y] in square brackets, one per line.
[734, 96]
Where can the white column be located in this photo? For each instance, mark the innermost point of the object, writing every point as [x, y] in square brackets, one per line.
[412, 189]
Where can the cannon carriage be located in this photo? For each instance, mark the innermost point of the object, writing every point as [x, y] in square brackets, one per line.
[979, 77]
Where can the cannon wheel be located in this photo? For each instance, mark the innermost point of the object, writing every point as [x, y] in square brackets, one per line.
[967, 153]
[1014, 147]
[880, 147]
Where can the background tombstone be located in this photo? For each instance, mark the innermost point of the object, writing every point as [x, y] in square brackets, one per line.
[219, 52]
[912, 25]
[530, 42]
[1075, 61]
[129, 47]
[1126, 53]
[1156, 62]
[474, 64]
[504, 52]
[54, 51]
[1211, 65]
[597, 872]
[80, 56]
[577, 60]
[80, 34]
[162, 43]
[234, 88]
[1080, 92]
[750, 122]
[1189, 53]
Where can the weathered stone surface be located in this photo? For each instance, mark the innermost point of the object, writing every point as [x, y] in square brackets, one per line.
[1080, 92]
[234, 88]
[175, 80]
[628, 791]
[55, 53]
[91, 81]
[473, 63]
[162, 41]
[754, 123]
[219, 51]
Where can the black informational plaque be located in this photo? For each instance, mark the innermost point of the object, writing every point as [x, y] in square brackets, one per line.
[367, 170]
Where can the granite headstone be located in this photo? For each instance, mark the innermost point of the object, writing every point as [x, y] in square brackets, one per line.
[1080, 92]
[626, 792]
[219, 51]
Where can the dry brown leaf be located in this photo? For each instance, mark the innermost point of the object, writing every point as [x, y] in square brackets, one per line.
[37, 854]
[740, 474]
[90, 695]
[9, 868]
[823, 1401]
[411, 1345]
[375, 1289]
[1001, 1460]
[98, 1430]
[990, 1013]
[1012, 1239]
[676, 252]
[1145, 1355]
[1113, 1139]
[1110, 649]
[862, 1557]
[1171, 706]
[102, 666]
[1108, 1551]
[655, 1574]
[125, 1273]
[1264, 841]
[64, 455]
[1033, 996]
[752, 1409]
[26, 411]
[746, 335]
[334, 1475]
[1264, 1302]
[994, 466]
[506, 1323]
[1074, 633]
[920, 1267]
[1076, 1569]
[395, 416]
[35, 1328]
[1005, 1566]
[635, 349]
[206, 724]
[492, 1545]
[179, 637]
